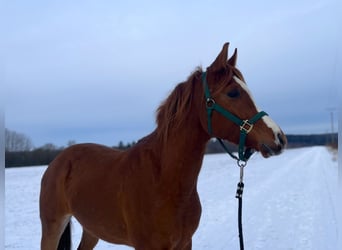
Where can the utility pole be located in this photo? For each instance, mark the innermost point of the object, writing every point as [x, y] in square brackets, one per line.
[331, 110]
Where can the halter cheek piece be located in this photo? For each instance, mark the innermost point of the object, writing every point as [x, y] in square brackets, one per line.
[245, 125]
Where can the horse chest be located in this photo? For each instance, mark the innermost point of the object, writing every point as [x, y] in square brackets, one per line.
[167, 221]
[179, 213]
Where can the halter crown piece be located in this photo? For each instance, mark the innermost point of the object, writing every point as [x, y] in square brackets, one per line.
[245, 125]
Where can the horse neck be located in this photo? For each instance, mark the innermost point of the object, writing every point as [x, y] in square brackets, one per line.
[182, 154]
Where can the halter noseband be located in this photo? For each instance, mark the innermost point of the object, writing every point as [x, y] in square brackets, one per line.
[245, 125]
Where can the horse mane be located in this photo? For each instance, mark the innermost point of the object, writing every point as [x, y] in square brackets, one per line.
[175, 109]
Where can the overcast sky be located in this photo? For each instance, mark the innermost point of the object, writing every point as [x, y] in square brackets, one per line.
[96, 71]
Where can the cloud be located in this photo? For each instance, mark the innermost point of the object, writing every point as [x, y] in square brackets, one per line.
[100, 69]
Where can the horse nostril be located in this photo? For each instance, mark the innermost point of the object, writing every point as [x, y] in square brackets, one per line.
[282, 139]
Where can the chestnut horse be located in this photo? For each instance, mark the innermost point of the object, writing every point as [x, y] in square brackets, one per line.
[146, 197]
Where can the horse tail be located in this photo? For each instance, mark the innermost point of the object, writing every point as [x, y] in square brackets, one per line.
[65, 240]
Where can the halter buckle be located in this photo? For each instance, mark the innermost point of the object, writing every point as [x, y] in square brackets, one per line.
[246, 126]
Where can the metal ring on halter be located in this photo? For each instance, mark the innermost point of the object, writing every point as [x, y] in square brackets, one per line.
[241, 163]
[210, 103]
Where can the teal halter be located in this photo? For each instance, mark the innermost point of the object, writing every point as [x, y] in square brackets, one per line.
[245, 125]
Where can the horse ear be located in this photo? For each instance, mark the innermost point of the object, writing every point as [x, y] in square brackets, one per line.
[232, 60]
[221, 59]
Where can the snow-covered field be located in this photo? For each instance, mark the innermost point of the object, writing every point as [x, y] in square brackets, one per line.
[290, 202]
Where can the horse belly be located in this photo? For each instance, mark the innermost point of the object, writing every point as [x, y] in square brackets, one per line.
[102, 219]
[95, 200]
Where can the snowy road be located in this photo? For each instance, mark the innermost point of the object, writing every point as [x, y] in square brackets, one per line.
[289, 203]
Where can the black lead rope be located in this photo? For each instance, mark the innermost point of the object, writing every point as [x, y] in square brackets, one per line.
[240, 224]
[239, 192]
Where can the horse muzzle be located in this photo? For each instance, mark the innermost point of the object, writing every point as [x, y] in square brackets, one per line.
[274, 148]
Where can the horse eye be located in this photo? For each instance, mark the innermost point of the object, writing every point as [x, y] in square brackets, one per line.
[234, 93]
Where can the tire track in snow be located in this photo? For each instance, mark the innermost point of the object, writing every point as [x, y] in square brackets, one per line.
[284, 202]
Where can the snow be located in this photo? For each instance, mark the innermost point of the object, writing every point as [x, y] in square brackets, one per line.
[289, 202]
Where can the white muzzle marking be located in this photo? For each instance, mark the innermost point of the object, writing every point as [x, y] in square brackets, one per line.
[266, 119]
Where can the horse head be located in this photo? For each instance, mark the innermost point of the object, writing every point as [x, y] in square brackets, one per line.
[231, 110]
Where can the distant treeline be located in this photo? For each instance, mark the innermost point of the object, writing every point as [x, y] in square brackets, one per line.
[44, 155]
[295, 141]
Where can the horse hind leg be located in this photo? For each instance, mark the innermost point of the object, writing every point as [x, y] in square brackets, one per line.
[54, 212]
[88, 241]
[52, 231]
